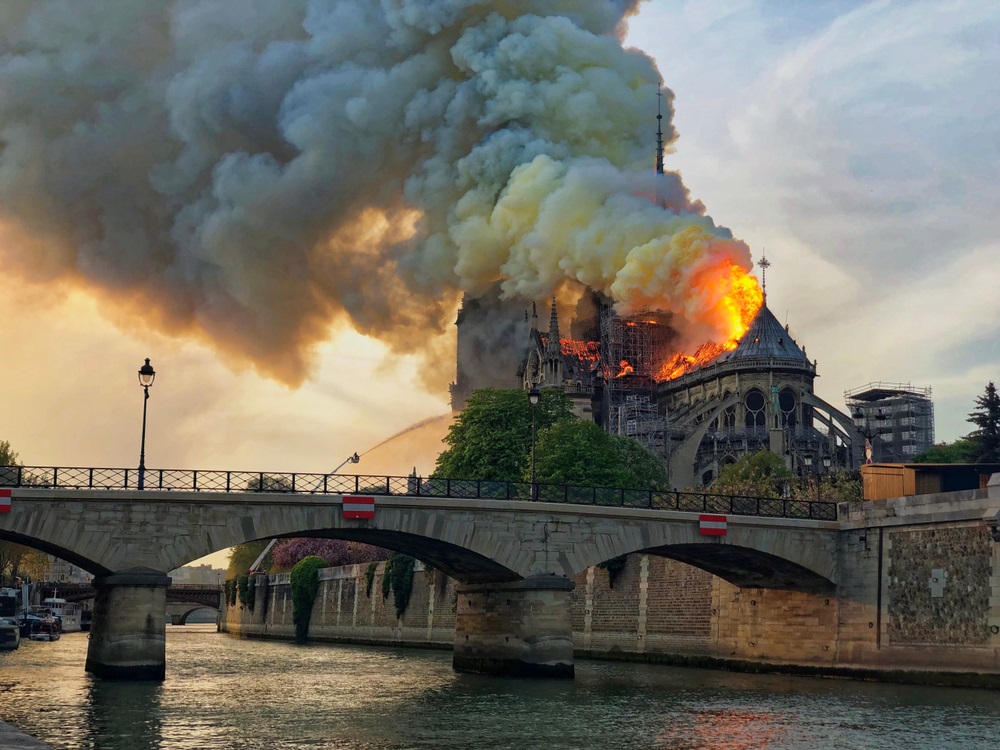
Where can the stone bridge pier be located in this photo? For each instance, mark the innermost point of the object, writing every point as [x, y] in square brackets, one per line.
[518, 629]
[128, 632]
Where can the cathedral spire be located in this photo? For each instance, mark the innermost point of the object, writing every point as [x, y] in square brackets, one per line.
[659, 130]
[554, 348]
[764, 264]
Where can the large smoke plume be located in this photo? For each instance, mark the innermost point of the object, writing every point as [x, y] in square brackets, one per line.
[256, 174]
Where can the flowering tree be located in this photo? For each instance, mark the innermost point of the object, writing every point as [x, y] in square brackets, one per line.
[334, 551]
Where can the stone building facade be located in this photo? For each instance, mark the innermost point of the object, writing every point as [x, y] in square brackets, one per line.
[759, 396]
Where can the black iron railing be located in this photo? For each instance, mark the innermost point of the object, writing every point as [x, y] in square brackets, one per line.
[363, 484]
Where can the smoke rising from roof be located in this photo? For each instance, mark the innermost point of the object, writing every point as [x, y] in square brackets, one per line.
[258, 175]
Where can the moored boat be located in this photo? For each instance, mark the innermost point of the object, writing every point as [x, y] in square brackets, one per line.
[45, 629]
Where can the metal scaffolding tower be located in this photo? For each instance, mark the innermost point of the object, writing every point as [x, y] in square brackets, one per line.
[633, 350]
[898, 417]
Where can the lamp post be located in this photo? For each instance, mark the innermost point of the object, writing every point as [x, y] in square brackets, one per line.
[534, 395]
[146, 376]
[808, 460]
[869, 431]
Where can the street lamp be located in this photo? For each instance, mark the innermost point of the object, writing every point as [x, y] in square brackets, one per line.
[808, 460]
[534, 395]
[146, 376]
[869, 431]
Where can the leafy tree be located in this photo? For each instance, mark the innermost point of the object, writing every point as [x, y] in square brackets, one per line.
[288, 552]
[986, 417]
[304, 581]
[959, 452]
[575, 451]
[491, 438]
[760, 474]
[33, 565]
[398, 578]
[242, 556]
[8, 457]
[648, 469]
[18, 561]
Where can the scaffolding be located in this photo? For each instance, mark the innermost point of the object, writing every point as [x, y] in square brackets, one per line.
[633, 349]
[897, 418]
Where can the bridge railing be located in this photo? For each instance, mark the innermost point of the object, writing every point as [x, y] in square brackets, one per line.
[364, 484]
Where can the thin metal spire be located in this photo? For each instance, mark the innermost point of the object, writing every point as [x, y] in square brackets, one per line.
[764, 264]
[659, 130]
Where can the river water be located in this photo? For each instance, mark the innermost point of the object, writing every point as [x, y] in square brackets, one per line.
[225, 693]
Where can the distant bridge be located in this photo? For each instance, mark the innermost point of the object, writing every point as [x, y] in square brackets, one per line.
[204, 595]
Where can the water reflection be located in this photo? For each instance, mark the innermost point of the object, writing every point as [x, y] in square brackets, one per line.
[227, 694]
[723, 730]
[123, 715]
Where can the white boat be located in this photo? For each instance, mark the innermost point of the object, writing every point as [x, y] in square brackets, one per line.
[45, 630]
[69, 614]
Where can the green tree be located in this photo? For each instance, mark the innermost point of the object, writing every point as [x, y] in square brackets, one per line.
[649, 471]
[760, 474]
[242, 556]
[304, 580]
[575, 451]
[491, 438]
[959, 452]
[986, 417]
[8, 456]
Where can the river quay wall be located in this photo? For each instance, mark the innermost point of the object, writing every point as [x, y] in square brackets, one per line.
[917, 600]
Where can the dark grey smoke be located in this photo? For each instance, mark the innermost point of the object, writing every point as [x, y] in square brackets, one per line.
[256, 174]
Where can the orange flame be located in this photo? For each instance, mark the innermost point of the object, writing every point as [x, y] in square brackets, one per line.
[740, 302]
[588, 351]
[627, 369]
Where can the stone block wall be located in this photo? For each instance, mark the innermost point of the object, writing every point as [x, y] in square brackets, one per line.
[344, 611]
[939, 586]
[787, 627]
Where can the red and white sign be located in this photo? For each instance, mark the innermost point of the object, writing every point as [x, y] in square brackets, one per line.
[712, 525]
[359, 507]
[5, 496]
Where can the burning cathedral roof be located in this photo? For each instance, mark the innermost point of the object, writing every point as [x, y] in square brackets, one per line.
[766, 342]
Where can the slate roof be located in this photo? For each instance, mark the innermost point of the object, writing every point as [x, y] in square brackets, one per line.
[766, 338]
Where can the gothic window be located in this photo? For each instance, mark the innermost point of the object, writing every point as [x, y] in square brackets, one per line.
[754, 403]
[786, 402]
[728, 418]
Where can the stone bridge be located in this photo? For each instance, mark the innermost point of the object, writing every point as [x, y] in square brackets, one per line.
[515, 559]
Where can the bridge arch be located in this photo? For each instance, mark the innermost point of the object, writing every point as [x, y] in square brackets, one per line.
[457, 562]
[753, 554]
[62, 552]
[179, 612]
